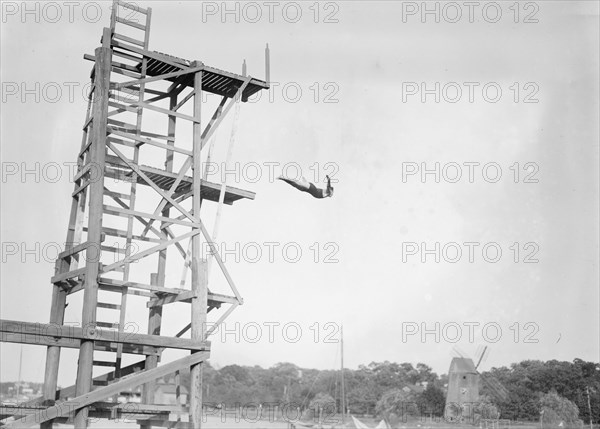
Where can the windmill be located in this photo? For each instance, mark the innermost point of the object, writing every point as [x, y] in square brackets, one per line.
[463, 386]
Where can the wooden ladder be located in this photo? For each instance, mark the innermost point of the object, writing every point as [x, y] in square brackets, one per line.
[125, 15]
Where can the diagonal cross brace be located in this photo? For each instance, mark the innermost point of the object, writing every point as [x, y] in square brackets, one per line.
[198, 222]
[212, 126]
[153, 185]
[171, 191]
[131, 258]
[63, 408]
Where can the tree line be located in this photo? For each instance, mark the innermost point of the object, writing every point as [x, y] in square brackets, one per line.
[552, 391]
[381, 387]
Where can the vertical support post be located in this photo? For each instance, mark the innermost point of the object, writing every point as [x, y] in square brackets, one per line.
[154, 324]
[199, 267]
[57, 315]
[267, 65]
[63, 265]
[90, 293]
[158, 279]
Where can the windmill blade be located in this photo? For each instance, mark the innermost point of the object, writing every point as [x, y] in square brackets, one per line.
[459, 352]
[498, 390]
[481, 357]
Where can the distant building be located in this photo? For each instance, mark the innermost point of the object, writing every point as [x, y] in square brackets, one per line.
[463, 389]
[415, 388]
[166, 393]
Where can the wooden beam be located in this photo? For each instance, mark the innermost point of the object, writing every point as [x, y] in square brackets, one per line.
[214, 300]
[134, 7]
[147, 141]
[81, 401]
[163, 235]
[93, 333]
[199, 273]
[72, 250]
[171, 424]
[69, 391]
[152, 54]
[165, 111]
[113, 210]
[212, 126]
[59, 278]
[183, 101]
[171, 191]
[155, 78]
[136, 169]
[98, 151]
[153, 288]
[130, 23]
[124, 207]
[158, 278]
[183, 296]
[113, 64]
[220, 320]
[150, 251]
[217, 256]
[241, 193]
[73, 343]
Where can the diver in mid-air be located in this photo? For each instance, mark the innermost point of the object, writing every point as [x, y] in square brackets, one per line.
[305, 186]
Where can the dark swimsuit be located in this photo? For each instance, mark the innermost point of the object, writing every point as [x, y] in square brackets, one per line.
[314, 191]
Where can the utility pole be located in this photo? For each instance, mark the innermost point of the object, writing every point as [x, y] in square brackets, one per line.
[21, 364]
[587, 389]
[343, 389]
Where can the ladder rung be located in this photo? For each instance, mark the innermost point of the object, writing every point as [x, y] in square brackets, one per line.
[113, 64]
[128, 39]
[133, 91]
[85, 148]
[81, 188]
[123, 234]
[127, 73]
[121, 98]
[117, 194]
[120, 124]
[119, 269]
[112, 159]
[113, 249]
[109, 306]
[104, 363]
[107, 325]
[132, 6]
[70, 252]
[122, 142]
[88, 122]
[63, 277]
[83, 170]
[131, 23]
[129, 291]
[128, 55]
[120, 108]
[132, 95]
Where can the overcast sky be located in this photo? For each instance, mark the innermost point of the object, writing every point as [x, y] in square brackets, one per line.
[347, 99]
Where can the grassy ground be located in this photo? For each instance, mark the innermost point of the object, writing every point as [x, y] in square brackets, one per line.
[213, 422]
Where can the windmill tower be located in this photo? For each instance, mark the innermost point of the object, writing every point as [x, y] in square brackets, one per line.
[463, 399]
[463, 389]
[136, 212]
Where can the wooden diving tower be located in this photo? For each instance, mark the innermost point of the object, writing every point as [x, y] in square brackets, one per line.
[130, 213]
